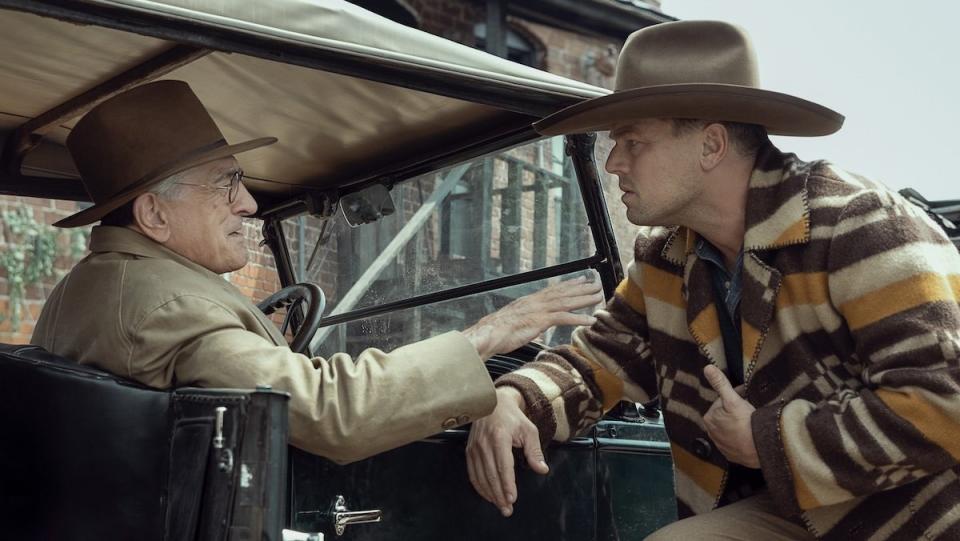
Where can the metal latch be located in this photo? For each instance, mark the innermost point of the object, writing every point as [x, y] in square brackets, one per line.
[218, 427]
[224, 456]
[343, 517]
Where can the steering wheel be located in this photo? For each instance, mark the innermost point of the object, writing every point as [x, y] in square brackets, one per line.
[291, 298]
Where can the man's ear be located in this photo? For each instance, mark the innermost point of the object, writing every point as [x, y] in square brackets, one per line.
[150, 216]
[716, 144]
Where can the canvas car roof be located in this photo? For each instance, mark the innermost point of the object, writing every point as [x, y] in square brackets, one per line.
[351, 95]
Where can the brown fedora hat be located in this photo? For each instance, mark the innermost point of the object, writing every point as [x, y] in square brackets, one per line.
[692, 69]
[130, 142]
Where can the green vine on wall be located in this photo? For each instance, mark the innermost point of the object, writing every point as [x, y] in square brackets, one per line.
[29, 255]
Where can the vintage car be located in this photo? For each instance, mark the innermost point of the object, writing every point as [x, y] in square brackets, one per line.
[407, 183]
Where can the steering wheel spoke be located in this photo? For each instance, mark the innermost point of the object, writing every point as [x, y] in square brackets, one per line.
[292, 298]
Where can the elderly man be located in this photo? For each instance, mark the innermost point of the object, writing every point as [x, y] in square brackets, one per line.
[170, 198]
[799, 324]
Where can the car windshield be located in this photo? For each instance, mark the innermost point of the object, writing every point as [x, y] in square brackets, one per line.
[500, 215]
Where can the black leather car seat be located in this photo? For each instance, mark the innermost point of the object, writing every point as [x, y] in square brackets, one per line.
[87, 455]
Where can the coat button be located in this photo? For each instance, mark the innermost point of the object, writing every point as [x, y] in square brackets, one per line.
[449, 423]
[702, 448]
[463, 419]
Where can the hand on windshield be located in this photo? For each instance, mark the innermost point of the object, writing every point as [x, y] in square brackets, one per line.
[528, 317]
[490, 450]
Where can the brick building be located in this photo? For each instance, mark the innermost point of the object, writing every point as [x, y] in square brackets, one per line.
[578, 39]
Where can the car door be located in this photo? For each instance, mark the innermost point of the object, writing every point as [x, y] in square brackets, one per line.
[451, 246]
[616, 483]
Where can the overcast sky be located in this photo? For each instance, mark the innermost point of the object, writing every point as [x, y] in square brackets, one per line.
[890, 67]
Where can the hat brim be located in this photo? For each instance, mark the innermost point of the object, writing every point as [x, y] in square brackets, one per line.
[96, 212]
[781, 114]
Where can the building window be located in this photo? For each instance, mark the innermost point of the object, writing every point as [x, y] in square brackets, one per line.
[519, 48]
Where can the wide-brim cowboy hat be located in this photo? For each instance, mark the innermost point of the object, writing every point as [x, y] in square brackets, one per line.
[136, 139]
[692, 69]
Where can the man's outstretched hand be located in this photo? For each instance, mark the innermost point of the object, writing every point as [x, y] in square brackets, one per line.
[528, 317]
[490, 450]
[728, 421]
[492, 439]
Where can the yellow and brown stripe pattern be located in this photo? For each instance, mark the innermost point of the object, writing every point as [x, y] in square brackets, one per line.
[851, 352]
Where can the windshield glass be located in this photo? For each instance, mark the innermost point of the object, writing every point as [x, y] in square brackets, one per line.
[394, 329]
[503, 214]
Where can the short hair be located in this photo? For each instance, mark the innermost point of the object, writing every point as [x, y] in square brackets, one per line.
[122, 216]
[747, 138]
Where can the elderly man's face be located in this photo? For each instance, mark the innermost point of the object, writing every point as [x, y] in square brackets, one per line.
[205, 226]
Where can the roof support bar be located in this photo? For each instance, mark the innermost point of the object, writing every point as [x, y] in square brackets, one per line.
[44, 187]
[28, 135]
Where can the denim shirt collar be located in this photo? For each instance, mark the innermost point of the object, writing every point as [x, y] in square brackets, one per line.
[724, 281]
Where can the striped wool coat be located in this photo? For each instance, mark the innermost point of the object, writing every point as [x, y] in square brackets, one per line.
[850, 339]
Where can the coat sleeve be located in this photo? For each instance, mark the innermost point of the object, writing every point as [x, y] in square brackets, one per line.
[342, 408]
[567, 389]
[893, 277]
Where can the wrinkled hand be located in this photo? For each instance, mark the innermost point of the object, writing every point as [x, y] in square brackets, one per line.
[527, 317]
[490, 450]
[728, 421]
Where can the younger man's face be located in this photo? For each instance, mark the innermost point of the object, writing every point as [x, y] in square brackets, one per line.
[658, 170]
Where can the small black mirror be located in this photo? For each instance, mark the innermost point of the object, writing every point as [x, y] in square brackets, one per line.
[367, 205]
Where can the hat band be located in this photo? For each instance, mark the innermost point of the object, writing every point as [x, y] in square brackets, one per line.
[167, 169]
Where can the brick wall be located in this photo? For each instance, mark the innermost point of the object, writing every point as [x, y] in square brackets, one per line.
[451, 19]
[259, 278]
[42, 212]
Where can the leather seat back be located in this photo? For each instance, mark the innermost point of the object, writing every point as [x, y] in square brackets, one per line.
[79, 445]
[88, 455]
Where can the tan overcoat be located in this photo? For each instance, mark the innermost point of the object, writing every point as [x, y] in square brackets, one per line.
[139, 310]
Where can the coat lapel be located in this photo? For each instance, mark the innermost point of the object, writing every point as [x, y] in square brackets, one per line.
[703, 322]
[777, 216]
[761, 285]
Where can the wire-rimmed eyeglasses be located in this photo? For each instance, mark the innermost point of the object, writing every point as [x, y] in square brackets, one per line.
[236, 177]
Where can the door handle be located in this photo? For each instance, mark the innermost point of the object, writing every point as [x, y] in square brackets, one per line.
[343, 517]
